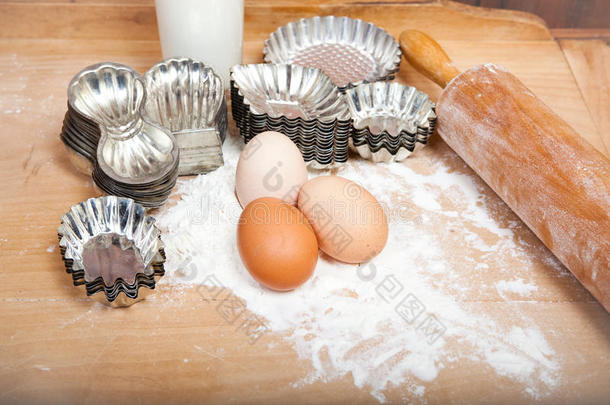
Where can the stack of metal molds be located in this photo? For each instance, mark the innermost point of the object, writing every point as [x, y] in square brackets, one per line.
[187, 97]
[390, 120]
[133, 157]
[81, 135]
[111, 246]
[128, 131]
[349, 51]
[299, 102]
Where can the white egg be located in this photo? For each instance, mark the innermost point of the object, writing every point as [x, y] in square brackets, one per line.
[270, 165]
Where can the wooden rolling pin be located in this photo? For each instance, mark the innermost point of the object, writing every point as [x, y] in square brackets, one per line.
[554, 180]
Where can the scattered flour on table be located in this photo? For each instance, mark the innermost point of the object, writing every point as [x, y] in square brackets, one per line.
[517, 286]
[396, 321]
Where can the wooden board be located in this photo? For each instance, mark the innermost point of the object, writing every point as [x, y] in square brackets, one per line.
[590, 63]
[56, 346]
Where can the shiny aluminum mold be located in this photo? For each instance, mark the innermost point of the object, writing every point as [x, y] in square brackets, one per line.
[187, 97]
[80, 136]
[350, 51]
[289, 91]
[390, 120]
[107, 93]
[110, 245]
[300, 102]
[131, 153]
[130, 149]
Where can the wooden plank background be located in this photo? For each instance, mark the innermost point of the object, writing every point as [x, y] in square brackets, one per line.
[56, 347]
[557, 13]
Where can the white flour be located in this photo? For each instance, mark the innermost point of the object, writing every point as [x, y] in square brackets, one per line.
[344, 320]
[517, 286]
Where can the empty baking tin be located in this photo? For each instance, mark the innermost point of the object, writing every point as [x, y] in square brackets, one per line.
[187, 97]
[112, 247]
[133, 157]
[349, 51]
[299, 102]
[390, 120]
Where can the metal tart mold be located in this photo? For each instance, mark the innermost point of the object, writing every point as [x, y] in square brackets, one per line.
[109, 245]
[299, 102]
[390, 120]
[350, 51]
[105, 124]
[187, 97]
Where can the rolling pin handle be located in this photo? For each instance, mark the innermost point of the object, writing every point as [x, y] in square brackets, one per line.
[427, 57]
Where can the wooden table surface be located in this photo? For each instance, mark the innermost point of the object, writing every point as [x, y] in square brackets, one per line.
[55, 346]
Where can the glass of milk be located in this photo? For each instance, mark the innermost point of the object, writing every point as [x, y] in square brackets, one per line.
[207, 30]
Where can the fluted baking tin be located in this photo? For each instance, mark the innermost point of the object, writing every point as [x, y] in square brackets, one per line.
[132, 153]
[350, 51]
[80, 141]
[389, 120]
[130, 150]
[300, 102]
[112, 247]
[289, 91]
[188, 98]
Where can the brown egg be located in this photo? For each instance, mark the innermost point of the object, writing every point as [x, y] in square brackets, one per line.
[349, 222]
[276, 244]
